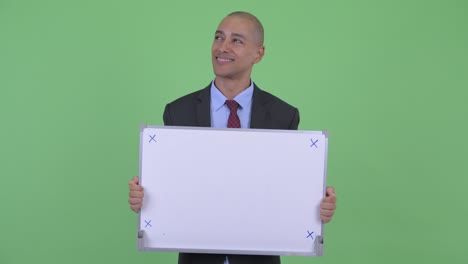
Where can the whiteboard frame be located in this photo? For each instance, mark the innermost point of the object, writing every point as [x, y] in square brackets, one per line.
[318, 242]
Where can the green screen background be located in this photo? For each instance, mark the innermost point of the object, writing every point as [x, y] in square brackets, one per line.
[388, 79]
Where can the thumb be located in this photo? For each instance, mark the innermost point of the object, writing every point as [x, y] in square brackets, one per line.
[134, 180]
[331, 191]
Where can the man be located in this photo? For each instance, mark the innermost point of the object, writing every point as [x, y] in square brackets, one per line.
[233, 100]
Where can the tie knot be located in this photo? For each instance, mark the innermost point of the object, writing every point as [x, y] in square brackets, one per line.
[232, 105]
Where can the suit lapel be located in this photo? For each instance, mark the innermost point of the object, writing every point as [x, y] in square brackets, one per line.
[259, 114]
[202, 107]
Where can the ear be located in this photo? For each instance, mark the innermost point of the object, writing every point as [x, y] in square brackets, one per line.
[260, 53]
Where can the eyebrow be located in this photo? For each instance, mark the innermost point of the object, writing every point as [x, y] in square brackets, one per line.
[233, 34]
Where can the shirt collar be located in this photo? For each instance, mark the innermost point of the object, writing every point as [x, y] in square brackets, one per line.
[218, 99]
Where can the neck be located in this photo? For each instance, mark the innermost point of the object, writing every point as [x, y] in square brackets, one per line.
[230, 87]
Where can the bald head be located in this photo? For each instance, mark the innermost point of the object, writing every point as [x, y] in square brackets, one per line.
[257, 25]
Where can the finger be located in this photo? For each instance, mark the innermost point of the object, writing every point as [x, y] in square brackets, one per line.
[329, 199]
[330, 191]
[136, 194]
[135, 201]
[325, 219]
[328, 206]
[134, 187]
[135, 208]
[134, 181]
[327, 213]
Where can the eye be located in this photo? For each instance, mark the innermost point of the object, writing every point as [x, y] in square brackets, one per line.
[217, 38]
[237, 41]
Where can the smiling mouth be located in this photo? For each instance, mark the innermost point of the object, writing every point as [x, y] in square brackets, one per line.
[223, 60]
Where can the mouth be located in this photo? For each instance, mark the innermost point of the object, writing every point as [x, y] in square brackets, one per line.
[223, 60]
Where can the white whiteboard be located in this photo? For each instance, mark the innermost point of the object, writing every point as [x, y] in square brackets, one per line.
[233, 191]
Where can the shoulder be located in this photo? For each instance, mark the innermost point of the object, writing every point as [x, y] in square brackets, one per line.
[275, 112]
[183, 110]
[191, 98]
[268, 99]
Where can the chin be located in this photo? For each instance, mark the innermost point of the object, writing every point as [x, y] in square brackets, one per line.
[223, 75]
[218, 73]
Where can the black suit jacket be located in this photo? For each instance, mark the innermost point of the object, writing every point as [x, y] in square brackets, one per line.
[268, 112]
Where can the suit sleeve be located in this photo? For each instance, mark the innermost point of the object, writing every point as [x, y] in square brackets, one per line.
[167, 116]
[295, 120]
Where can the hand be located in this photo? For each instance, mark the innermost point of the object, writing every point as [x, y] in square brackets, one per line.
[328, 206]
[136, 195]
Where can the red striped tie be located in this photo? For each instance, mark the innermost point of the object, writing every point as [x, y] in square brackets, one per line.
[233, 120]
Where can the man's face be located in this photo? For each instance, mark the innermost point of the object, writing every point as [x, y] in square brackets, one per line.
[235, 48]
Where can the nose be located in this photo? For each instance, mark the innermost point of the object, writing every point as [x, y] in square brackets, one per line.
[225, 46]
